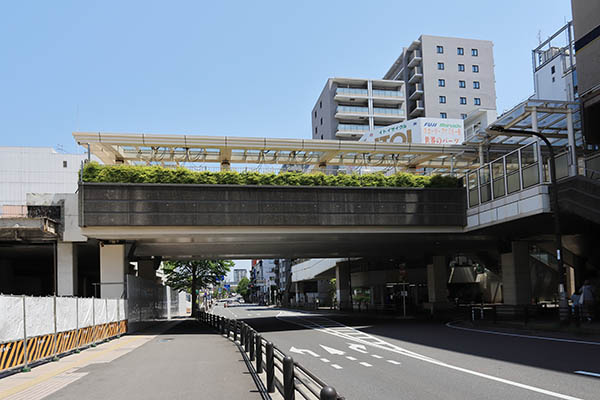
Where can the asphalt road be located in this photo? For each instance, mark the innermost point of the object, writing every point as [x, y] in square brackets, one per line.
[367, 358]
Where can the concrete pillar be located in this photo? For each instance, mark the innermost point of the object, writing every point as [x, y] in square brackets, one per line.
[323, 290]
[343, 285]
[66, 269]
[437, 280]
[146, 269]
[112, 270]
[516, 276]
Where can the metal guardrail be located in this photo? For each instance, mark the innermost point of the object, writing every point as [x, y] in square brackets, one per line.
[283, 374]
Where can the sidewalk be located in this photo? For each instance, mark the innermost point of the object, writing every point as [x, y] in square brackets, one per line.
[174, 360]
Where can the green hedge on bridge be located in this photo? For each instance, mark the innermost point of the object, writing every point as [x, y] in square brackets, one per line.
[94, 172]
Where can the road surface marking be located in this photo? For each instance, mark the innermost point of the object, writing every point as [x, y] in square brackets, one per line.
[303, 351]
[365, 364]
[394, 362]
[324, 360]
[358, 347]
[380, 344]
[336, 366]
[375, 356]
[588, 373]
[331, 350]
[351, 358]
[449, 325]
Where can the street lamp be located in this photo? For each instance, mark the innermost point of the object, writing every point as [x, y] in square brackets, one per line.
[562, 298]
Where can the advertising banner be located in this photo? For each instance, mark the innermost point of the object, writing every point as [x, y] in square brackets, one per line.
[434, 131]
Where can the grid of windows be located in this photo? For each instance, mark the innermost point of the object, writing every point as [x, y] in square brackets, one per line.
[441, 82]
[475, 84]
[462, 84]
[440, 65]
[440, 49]
[474, 52]
[475, 68]
[443, 115]
[463, 100]
[460, 51]
[461, 67]
[442, 99]
[477, 101]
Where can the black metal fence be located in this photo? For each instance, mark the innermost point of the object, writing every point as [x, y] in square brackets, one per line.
[283, 374]
[526, 313]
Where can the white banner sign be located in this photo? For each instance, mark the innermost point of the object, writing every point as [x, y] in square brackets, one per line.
[420, 130]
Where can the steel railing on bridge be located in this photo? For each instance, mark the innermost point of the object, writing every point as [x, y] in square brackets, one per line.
[283, 374]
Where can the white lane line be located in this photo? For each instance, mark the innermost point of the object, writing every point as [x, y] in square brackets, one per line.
[375, 356]
[365, 364]
[351, 358]
[396, 349]
[449, 325]
[394, 362]
[588, 373]
[324, 360]
[336, 366]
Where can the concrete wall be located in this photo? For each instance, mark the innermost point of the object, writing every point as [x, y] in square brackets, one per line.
[451, 59]
[225, 205]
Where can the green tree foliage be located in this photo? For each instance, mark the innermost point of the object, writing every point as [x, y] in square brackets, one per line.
[193, 275]
[243, 288]
[94, 172]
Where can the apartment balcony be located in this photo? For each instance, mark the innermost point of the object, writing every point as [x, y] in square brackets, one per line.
[417, 92]
[388, 114]
[416, 75]
[415, 59]
[357, 113]
[418, 110]
[351, 131]
[349, 94]
[385, 97]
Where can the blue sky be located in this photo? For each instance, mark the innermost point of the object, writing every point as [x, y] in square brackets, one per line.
[226, 68]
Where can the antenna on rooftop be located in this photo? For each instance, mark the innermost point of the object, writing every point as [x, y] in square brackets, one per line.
[540, 36]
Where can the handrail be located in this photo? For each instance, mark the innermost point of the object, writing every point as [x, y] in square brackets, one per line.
[291, 377]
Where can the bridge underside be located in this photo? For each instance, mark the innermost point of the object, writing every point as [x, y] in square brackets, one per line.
[287, 242]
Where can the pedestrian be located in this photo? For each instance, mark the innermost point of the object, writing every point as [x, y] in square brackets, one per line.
[586, 300]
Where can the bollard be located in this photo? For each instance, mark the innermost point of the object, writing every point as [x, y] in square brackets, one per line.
[259, 366]
[235, 326]
[221, 326]
[247, 339]
[270, 368]
[328, 393]
[288, 378]
[242, 333]
[227, 327]
[251, 345]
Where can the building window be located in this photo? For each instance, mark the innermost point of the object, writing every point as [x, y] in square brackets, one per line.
[475, 84]
[320, 104]
[461, 67]
[553, 79]
[477, 101]
[321, 137]
[460, 51]
[443, 115]
[442, 99]
[475, 68]
[474, 52]
[463, 100]
[552, 69]
[441, 82]
[315, 114]
[441, 65]
[440, 49]
[463, 116]
[321, 121]
[64, 164]
[316, 131]
[462, 84]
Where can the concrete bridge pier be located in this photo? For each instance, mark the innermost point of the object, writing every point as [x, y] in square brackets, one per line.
[112, 270]
[343, 285]
[516, 276]
[66, 269]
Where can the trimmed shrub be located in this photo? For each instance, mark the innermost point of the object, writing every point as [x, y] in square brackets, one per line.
[94, 172]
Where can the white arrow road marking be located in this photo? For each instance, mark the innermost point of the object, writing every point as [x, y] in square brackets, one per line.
[588, 373]
[303, 351]
[358, 347]
[365, 364]
[336, 366]
[351, 358]
[324, 360]
[375, 356]
[393, 362]
[331, 350]
[382, 345]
